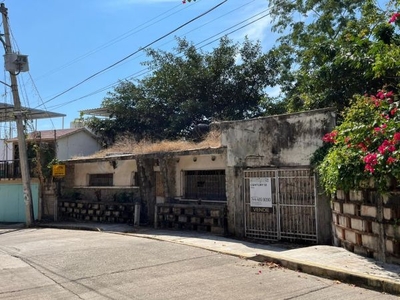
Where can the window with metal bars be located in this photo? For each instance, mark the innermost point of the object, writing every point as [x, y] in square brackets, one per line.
[101, 179]
[205, 185]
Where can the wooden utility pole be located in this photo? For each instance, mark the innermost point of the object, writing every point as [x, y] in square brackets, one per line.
[23, 156]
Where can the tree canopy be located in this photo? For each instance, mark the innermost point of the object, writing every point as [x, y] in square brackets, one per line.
[190, 86]
[333, 49]
[328, 52]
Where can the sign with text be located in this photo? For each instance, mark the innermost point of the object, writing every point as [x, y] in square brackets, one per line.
[58, 170]
[260, 192]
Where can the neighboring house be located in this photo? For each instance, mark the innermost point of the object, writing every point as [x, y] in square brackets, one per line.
[69, 142]
[257, 184]
[5, 150]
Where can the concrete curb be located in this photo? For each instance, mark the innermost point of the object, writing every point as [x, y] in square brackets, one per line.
[68, 227]
[358, 279]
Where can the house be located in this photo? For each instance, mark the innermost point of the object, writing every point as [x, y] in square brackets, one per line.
[12, 199]
[257, 183]
[66, 143]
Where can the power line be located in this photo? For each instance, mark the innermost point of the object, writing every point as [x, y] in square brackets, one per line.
[233, 31]
[142, 72]
[145, 71]
[114, 40]
[133, 53]
[197, 28]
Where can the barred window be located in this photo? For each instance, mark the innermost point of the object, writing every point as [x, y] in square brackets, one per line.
[205, 185]
[101, 179]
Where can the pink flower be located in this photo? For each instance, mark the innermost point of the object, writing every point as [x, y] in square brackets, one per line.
[371, 159]
[391, 160]
[390, 93]
[386, 117]
[362, 147]
[396, 137]
[369, 168]
[330, 137]
[380, 95]
[386, 146]
[381, 128]
[393, 111]
[394, 17]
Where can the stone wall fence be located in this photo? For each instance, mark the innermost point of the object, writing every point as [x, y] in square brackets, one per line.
[368, 223]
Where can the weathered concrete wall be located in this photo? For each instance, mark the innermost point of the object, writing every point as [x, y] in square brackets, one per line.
[273, 142]
[235, 201]
[147, 185]
[284, 140]
[197, 161]
[123, 171]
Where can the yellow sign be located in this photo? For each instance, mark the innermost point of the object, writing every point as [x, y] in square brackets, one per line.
[58, 170]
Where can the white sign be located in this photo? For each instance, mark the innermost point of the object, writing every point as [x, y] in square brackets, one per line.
[260, 192]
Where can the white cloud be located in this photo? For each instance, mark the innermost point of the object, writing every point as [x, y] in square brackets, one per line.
[257, 13]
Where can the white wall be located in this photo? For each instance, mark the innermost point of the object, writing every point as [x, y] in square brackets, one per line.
[6, 152]
[77, 144]
[197, 162]
[123, 171]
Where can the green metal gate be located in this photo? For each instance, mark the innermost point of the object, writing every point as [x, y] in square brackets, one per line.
[12, 205]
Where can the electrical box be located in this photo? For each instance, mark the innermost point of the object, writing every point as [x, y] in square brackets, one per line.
[16, 62]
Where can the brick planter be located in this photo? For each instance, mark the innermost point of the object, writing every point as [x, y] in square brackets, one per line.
[209, 218]
[80, 210]
[368, 224]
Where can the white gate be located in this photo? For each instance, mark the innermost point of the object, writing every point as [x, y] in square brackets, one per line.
[292, 216]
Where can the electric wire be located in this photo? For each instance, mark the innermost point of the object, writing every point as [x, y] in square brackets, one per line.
[133, 53]
[146, 71]
[130, 76]
[190, 31]
[113, 41]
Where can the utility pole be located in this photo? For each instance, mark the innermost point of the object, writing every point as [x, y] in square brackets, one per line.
[23, 156]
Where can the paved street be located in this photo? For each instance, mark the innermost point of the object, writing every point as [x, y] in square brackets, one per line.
[66, 264]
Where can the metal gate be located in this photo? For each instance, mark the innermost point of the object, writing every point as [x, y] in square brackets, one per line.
[293, 213]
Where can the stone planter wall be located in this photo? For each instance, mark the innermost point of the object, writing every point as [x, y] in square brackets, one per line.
[368, 224]
[97, 212]
[211, 218]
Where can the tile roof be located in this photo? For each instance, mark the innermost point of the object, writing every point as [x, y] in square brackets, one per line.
[49, 134]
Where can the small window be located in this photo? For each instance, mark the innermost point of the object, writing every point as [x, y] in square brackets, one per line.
[205, 185]
[101, 179]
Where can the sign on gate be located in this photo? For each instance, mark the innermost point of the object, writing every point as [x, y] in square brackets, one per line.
[260, 194]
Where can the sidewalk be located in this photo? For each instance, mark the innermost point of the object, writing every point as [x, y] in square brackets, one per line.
[325, 261]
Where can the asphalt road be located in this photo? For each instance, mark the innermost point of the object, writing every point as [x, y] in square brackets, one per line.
[65, 264]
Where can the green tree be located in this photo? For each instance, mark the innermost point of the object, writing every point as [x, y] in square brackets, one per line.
[191, 86]
[331, 50]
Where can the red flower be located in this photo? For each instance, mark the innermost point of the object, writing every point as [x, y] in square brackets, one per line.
[393, 111]
[369, 168]
[391, 160]
[362, 147]
[330, 137]
[386, 146]
[396, 137]
[394, 17]
[371, 159]
[389, 94]
[381, 95]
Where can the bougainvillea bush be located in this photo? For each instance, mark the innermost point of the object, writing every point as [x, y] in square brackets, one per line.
[365, 150]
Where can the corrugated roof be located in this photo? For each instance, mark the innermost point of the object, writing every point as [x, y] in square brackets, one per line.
[47, 135]
[8, 113]
[99, 112]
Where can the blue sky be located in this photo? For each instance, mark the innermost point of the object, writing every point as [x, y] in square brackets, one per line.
[68, 41]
